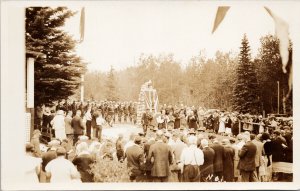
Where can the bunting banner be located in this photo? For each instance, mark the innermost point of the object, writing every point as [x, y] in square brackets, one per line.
[282, 33]
[82, 23]
[221, 12]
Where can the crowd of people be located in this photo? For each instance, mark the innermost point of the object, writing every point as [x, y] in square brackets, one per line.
[72, 119]
[180, 144]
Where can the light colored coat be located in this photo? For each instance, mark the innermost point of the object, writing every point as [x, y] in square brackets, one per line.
[58, 124]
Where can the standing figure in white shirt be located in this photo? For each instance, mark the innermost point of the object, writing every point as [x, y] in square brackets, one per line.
[191, 159]
[61, 170]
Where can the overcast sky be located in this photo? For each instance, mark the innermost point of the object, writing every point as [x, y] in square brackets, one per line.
[117, 33]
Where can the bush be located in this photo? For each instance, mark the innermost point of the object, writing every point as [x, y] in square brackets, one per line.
[107, 170]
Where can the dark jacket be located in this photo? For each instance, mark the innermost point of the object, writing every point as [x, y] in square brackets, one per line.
[83, 163]
[228, 166]
[47, 157]
[77, 125]
[162, 156]
[135, 159]
[247, 157]
[278, 153]
[208, 166]
[218, 160]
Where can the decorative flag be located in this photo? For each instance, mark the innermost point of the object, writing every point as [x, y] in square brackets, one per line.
[82, 23]
[282, 33]
[221, 12]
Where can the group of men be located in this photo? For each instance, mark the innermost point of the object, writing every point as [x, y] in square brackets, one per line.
[186, 155]
[71, 120]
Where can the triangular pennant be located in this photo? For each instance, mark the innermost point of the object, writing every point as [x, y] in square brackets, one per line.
[221, 12]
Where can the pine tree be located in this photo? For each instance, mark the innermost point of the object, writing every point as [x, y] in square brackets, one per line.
[245, 93]
[268, 64]
[112, 94]
[58, 75]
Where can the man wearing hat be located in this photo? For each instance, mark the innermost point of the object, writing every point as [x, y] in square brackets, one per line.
[218, 159]
[61, 170]
[160, 155]
[207, 168]
[135, 160]
[192, 132]
[246, 163]
[228, 161]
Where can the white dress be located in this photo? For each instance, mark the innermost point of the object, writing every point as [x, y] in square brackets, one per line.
[58, 124]
[222, 125]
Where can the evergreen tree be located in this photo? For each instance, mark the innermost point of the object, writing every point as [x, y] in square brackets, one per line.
[111, 83]
[269, 71]
[58, 75]
[245, 93]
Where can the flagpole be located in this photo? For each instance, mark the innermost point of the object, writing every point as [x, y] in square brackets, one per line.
[82, 88]
[278, 101]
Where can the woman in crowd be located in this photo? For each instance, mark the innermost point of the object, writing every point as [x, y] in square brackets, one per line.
[222, 121]
[32, 165]
[268, 156]
[58, 124]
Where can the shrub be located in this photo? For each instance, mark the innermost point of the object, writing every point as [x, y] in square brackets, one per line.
[107, 170]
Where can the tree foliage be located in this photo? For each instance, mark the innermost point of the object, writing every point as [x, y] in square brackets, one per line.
[58, 75]
[269, 72]
[112, 92]
[245, 93]
[228, 81]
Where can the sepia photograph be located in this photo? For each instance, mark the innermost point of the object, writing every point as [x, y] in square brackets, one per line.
[143, 92]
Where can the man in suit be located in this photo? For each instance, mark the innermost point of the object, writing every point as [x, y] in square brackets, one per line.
[259, 152]
[135, 160]
[218, 159]
[146, 120]
[246, 164]
[207, 169]
[77, 125]
[160, 155]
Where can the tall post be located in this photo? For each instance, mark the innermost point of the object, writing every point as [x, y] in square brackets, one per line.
[283, 102]
[278, 97]
[82, 88]
[30, 98]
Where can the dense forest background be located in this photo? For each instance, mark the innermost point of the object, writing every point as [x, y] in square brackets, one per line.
[228, 81]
